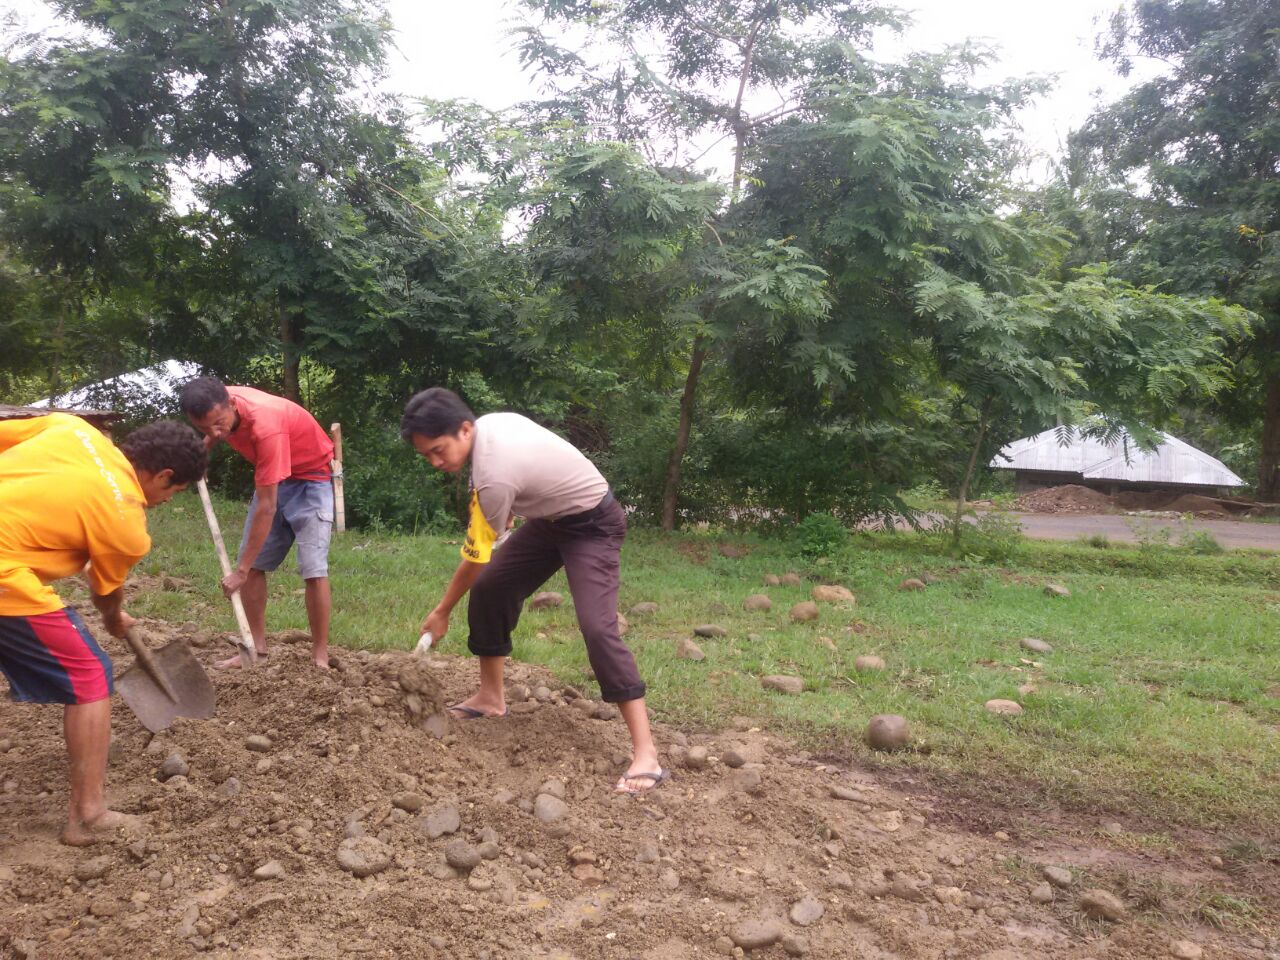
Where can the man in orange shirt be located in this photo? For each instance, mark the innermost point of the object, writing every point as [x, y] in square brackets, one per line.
[69, 497]
[292, 498]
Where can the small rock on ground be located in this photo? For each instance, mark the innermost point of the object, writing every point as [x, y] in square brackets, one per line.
[1102, 905]
[828, 593]
[271, 870]
[686, 649]
[807, 911]
[783, 684]
[1056, 590]
[1059, 876]
[868, 663]
[710, 630]
[1043, 893]
[363, 856]
[1006, 708]
[757, 602]
[1036, 645]
[757, 934]
[646, 609]
[888, 731]
[1186, 950]
[174, 766]
[547, 600]
[549, 809]
[911, 583]
[804, 611]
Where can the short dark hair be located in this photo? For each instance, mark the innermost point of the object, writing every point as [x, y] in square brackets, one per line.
[201, 395]
[434, 413]
[167, 445]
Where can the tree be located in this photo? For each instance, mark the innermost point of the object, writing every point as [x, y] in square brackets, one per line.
[1199, 147]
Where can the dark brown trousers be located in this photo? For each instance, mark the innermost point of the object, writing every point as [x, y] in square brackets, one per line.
[588, 545]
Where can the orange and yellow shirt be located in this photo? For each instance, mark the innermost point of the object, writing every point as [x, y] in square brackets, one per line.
[67, 497]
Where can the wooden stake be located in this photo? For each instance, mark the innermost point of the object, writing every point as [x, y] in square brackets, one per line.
[339, 494]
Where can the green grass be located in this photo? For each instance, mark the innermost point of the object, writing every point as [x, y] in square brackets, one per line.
[1160, 696]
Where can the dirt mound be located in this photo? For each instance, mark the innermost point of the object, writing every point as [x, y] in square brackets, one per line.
[493, 839]
[1068, 498]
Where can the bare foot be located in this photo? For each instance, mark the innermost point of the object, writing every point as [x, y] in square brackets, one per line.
[83, 833]
[233, 663]
[320, 657]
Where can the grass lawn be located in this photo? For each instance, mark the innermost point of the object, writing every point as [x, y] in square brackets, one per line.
[1161, 695]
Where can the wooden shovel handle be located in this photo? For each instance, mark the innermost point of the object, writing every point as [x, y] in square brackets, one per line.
[246, 635]
[142, 653]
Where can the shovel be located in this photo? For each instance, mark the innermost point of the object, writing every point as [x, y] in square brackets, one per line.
[164, 684]
[248, 652]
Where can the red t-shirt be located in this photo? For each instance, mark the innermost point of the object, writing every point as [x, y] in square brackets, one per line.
[279, 438]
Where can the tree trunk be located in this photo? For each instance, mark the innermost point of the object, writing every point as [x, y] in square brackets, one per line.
[289, 351]
[968, 471]
[671, 489]
[1269, 463]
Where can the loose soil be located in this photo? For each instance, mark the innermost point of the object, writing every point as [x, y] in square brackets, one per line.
[874, 865]
[1074, 498]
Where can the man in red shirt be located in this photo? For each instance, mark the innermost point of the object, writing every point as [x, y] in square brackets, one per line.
[292, 499]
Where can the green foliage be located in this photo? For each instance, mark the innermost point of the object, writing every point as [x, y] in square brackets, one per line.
[820, 536]
[1201, 542]
[389, 487]
[994, 537]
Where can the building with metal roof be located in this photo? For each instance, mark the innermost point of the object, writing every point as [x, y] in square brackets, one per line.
[1044, 461]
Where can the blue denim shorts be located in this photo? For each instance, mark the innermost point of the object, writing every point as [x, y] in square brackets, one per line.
[304, 513]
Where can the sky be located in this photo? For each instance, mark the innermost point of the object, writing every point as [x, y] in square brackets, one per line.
[447, 49]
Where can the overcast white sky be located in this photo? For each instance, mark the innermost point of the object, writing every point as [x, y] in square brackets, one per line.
[451, 49]
[461, 50]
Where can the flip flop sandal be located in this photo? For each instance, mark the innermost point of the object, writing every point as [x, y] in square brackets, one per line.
[658, 779]
[471, 713]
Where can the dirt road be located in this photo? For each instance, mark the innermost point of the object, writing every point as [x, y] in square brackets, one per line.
[1232, 534]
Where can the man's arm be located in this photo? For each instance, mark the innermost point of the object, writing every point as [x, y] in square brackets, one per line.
[437, 622]
[111, 606]
[264, 514]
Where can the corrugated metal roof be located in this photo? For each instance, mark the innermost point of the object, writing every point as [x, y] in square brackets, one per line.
[1173, 462]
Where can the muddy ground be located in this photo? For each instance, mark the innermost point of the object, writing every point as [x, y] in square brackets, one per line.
[503, 838]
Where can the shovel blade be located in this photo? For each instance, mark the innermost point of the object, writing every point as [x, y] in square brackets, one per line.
[192, 687]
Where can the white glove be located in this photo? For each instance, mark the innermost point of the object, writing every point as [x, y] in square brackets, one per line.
[424, 643]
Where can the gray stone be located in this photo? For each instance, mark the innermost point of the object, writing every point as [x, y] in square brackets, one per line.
[546, 600]
[363, 856]
[686, 649]
[868, 663]
[1058, 876]
[807, 911]
[174, 765]
[1043, 893]
[646, 609]
[732, 758]
[783, 684]
[887, 731]
[1102, 905]
[93, 869]
[408, 802]
[710, 630]
[757, 934]
[757, 602]
[228, 788]
[1056, 590]
[554, 787]
[795, 946]
[804, 612]
[696, 758]
[271, 870]
[461, 855]
[549, 809]
[1185, 950]
[258, 744]
[1036, 645]
[441, 820]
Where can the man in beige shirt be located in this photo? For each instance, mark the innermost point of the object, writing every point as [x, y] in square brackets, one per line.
[572, 521]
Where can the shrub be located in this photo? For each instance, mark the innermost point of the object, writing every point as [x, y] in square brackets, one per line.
[820, 535]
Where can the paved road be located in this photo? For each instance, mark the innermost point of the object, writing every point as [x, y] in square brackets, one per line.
[1231, 534]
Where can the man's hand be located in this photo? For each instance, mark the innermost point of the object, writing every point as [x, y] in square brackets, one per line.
[437, 624]
[117, 622]
[233, 581]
